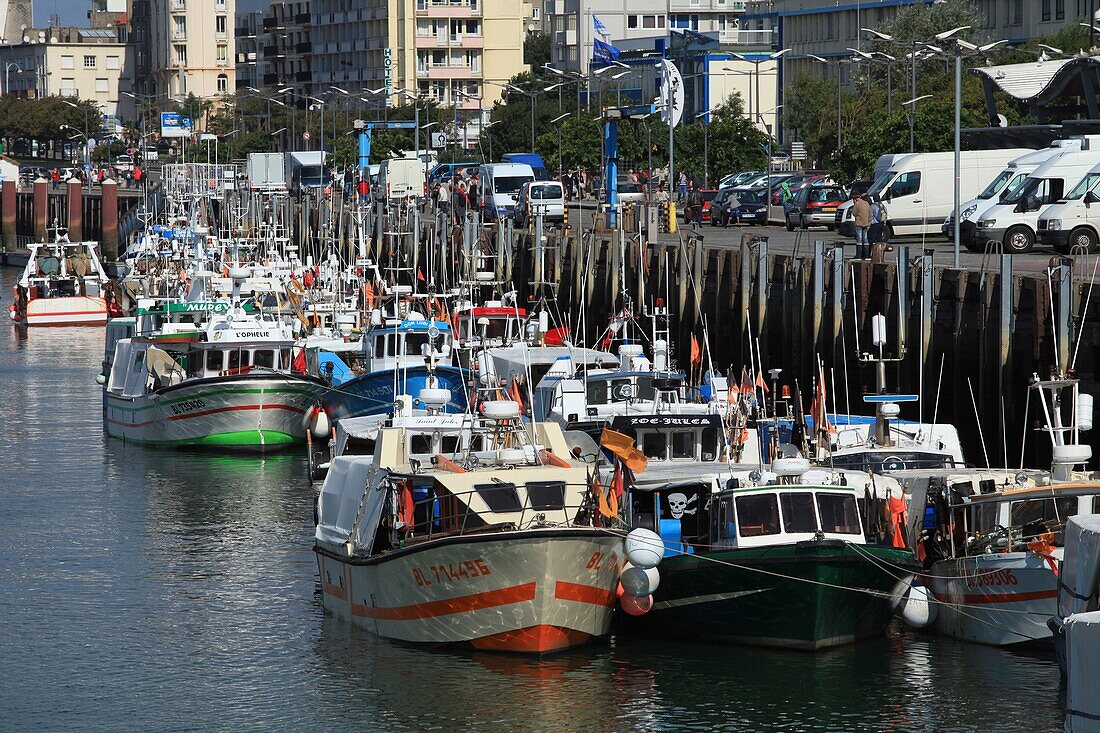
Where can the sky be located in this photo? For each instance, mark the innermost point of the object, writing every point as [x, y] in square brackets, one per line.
[75, 12]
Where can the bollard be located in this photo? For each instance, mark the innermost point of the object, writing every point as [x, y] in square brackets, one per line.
[76, 209]
[41, 208]
[7, 212]
[109, 243]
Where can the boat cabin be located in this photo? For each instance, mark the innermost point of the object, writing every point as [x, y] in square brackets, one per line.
[491, 325]
[667, 437]
[406, 343]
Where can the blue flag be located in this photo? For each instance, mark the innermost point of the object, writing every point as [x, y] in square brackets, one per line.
[601, 29]
[603, 51]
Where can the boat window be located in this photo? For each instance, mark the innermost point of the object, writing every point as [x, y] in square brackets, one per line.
[391, 345]
[379, 345]
[1096, 505]
[1053, 512]
[546, 494]
[238, 358]
[359, 447]
[501, 497]
[214, 361]
[757, 515]
[449, 444]
[497, 328]
[798, 512]
[264, 358]
[644, 389]
[415, 343]
[683, 444]
[839, 513]
[654, 444]
[420, 444]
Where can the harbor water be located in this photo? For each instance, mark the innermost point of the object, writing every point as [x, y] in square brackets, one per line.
[145, 589]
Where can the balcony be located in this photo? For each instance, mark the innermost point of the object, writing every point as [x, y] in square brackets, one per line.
[303, 18]
[303, 76]
[179, 35]
[433, 71]
[735, 37]
[179, 4]
[304, 47]
[441, 40]
[271, 79]
[271, 24]
[444, 9]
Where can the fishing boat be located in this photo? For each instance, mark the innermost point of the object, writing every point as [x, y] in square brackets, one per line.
[466, 529]
[208, 374]
[63, 284]
[783, 554]
[992, 540]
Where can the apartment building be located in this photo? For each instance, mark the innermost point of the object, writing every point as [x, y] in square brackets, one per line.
[287, 50]
[87, 63]
[455, 53]
[191, 48]
[630, 22]
[248, 43]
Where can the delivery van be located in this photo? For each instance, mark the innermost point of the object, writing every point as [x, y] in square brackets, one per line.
[401, 177]
[1074, 222]
[919, 189]
[500, 184]
[1014, 221]
[545, 197]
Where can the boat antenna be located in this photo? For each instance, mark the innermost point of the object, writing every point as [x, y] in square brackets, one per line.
[936, 409]
[978, 419]
[1084, 313]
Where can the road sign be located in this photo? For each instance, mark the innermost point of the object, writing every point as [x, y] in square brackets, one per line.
[439, 139]
[798, 151]
[305, 135]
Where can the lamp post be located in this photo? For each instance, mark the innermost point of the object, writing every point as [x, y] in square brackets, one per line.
[277, 132]
[839, 80]
[706, 144]
[555, 122]
[488, 129]
[912, 115]
[82, 135]
[7, 77]
[888, 62]
[756, 73]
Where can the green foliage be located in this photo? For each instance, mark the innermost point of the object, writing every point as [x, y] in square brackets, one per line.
[536, 49]
[734, 142]
[922, 21]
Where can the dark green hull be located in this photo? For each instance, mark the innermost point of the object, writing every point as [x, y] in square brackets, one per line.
[799, 601]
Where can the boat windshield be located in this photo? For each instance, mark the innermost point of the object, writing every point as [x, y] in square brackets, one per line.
[602, 391]
[876, 462]
[1048, 514]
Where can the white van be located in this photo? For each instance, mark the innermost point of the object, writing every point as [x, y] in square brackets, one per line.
[919, 189]
[401, 177]
[1075, 220]
[499, 184]
[547, 197]
[1014, 221]
[1015, 173]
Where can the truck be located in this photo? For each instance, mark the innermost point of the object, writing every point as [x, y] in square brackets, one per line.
[538, 167]
[305, 170]
[266, 171]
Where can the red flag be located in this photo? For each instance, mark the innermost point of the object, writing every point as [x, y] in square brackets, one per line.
[420, 275]
[746, 382]
[368, 295]
[601, 499]
[761, 383]
[696, 353]
[407, 508]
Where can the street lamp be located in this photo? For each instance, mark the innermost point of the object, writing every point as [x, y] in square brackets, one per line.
[7, 78]
[755, 61]
[912, 114]
[839, 125]
[706, 144]
[555, 122]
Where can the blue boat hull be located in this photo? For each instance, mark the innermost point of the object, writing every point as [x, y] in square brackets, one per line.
[374, 393]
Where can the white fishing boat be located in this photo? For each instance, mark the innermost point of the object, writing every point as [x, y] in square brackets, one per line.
[464, 529]
[992, 540]
[208, 374]
[63, 284]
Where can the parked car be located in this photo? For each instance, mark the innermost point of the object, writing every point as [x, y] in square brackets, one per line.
[746, 206]
[793, 184]
[719, 207]
[703, 215]
[549, 195]
[815, 205]
[124, 164]
[737, 179]
[630, 192]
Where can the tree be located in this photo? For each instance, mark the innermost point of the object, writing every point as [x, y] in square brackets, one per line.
[536, 49]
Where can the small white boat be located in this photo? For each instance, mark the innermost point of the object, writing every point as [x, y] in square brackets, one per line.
[63, 284]
[462, 529]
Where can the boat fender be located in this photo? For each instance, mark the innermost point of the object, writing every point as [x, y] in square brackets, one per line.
[636, 605]
[319, 423]
[644, 548]
[640, 581]
[918, 607]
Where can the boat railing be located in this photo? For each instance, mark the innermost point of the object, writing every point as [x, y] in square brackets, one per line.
[449, 514]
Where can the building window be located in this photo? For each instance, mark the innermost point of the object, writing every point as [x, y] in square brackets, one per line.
[1059, 9]
[219, 24]
[181, 55]
[222, 55]
[649, 21]
[223, 83]
[112, 63]
[101, 86]
[632, 21]
[89, 62]
[1017, 12]
[67, 62]
[660, 21]
[1046, 11]
[181, 26]
[68, 87]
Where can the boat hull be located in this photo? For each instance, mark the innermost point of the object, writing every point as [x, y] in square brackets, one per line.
[249, 413]
[77, 310]
[790, 596]
[375, 393]
[532, 591]
[999, 599]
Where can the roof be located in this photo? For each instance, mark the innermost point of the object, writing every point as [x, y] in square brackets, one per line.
[1036, 80]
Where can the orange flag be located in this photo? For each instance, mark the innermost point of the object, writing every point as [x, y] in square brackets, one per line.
[517, 395]
[605, 508]
[696, 353]
[623, 447]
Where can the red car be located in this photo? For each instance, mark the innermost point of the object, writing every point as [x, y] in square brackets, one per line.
[703, 216]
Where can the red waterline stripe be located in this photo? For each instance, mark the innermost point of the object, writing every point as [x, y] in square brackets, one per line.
[209, 412]
[335, 591]
[1035, 595]
[581, 593]
[448, 606]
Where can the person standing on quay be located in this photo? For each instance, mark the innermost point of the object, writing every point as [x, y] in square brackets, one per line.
[683, 185]
[861, 212]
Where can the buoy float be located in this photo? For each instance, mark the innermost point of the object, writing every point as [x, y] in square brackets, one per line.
[318, 423]
[640, 581]
[644, 548]
[918, 607]
[636, 605]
